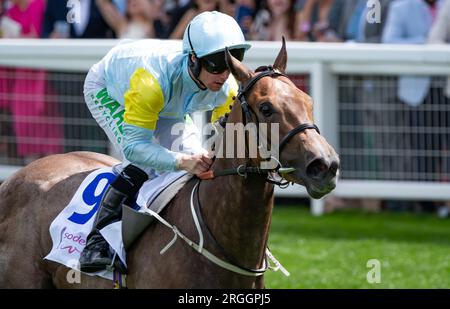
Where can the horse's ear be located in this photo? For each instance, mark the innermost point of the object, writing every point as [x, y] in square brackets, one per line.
[237, 68]
[281, 61]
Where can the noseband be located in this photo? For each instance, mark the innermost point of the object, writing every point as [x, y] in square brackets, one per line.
[243, 170]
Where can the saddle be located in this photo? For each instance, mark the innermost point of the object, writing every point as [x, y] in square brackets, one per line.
[135, 222]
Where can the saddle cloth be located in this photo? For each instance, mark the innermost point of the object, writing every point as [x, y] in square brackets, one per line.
[70, 228]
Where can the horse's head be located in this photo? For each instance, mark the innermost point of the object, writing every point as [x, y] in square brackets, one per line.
[275, 99]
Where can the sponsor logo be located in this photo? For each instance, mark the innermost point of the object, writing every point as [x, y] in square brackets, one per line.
[70, 249]
[112, 113]
[69, 241]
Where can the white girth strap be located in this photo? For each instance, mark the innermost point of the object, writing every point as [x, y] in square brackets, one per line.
[197, 223]
[219, 262]
[203, 251]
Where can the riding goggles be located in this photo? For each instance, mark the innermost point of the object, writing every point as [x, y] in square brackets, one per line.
[216, 63]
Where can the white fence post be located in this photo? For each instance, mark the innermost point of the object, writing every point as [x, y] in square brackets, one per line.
[324, 93]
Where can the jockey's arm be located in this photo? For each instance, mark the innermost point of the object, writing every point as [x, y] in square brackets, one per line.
[140, 149]
[143, 102]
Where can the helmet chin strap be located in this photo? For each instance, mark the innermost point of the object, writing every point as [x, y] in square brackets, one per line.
[197, 80]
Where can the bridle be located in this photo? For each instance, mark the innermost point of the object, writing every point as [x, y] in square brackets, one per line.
[230, 263]
[243, 170]
[271, 72]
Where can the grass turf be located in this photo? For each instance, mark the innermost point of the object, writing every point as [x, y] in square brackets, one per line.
[332, 251]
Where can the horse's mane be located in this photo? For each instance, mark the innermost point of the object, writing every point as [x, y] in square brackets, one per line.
[262, 68]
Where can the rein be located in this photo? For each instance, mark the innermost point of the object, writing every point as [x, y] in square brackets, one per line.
[243, 170]
[197, 213]
[230, 266]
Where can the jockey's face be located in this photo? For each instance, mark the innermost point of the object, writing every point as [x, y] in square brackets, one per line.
[213, 82]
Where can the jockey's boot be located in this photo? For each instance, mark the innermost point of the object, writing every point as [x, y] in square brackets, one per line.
[97, 255]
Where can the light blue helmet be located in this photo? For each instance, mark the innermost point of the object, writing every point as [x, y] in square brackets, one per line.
[211, 32]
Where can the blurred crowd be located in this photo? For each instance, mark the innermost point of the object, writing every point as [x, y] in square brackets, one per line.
[359, 21]
[375, 21]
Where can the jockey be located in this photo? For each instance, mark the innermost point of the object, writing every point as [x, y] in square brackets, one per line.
[138, 92]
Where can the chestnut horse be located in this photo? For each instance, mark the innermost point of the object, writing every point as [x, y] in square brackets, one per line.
[236, 210]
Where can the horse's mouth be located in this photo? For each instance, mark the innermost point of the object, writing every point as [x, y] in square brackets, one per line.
[318, 193]
[315, 189]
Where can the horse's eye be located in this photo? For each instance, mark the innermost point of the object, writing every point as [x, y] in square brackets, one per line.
[266, 110]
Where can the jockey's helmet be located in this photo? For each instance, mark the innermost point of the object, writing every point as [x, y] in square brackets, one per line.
[207, 36]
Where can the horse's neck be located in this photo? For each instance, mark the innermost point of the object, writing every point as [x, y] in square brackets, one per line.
[238, 211]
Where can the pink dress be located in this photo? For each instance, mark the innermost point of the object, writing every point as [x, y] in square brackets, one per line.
[36, 120]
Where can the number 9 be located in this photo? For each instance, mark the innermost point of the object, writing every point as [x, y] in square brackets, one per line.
[91, 199]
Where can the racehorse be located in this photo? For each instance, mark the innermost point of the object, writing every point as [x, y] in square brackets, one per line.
[235, 208]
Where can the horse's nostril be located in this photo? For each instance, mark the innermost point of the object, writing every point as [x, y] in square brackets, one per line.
[317, 169]
[334, 166]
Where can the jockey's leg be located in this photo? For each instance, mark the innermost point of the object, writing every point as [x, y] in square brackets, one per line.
[97, 253]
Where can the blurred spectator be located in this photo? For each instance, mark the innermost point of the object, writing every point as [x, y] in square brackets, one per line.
[195, 8]
[244, 15]
[141, 20]
[356, 19]
[372, 32]
[375, 93]
[28, 14]
[304, 19]
[340, 14]
[175, 11]
[440, 33]
[121, 5]
[312, 19]
[92, 24]
[9, 28]
[409, 22]
[37, 133]
[349, 21]
[55, 16]
[274, 21]
[228, 7]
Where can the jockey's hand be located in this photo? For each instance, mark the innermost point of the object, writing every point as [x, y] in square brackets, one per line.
[194, 164]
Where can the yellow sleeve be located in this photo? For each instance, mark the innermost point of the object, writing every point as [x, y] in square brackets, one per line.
[225, 107]
[143, 100]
